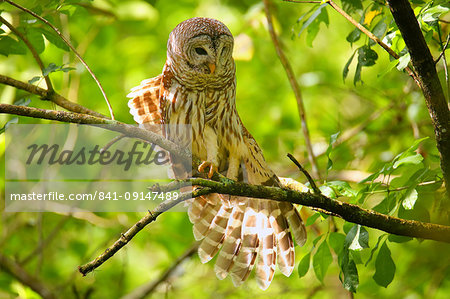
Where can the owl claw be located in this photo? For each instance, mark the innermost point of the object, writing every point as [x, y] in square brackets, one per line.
[212, 168]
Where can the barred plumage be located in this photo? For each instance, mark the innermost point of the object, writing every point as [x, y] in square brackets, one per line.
[197, 87]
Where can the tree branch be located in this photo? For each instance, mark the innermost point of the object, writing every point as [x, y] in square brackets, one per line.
[137, 227]
[349, 212]
[112, 125]
[25, 278]
[424, 65]
[308, 177]
[295, 87]
[49, 96]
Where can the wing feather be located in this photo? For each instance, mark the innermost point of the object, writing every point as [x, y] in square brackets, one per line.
[145, 104]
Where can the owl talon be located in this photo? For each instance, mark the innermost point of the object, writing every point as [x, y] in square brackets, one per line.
[212, 168]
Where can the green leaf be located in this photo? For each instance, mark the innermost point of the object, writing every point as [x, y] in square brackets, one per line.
[350, 6]
[419, 212]
[322, 260]
[311, 219]
[392, 64]
[357, 238]
[403, 61]
[348, 267]
[9, 46]
[410, 199]
[50, 69]
[316, 240]
[357, 77]
[353, 36]
[414, 146]
[399, 239]
[347, 227]
[374, 249]
[384, 267]
[355, 256]
[336, 241]
[416, 159]
[370, 178]
[333, 139]
[311, 19]
[347, 66]
[34, 79]
[342, 188]
[367, 56]
[378, 30]
[36, 39]
[303, 266]
[53, 38]
[312, 24]
[432, 14]
[14, 120]
[328, 192]
[67, 69]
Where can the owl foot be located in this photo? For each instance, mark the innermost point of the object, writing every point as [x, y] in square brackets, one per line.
[212, 168]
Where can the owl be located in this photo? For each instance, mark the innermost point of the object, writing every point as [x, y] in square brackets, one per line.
[197, 89]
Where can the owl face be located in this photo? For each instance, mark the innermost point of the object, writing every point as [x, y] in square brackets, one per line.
[199, 53]
[208, 55]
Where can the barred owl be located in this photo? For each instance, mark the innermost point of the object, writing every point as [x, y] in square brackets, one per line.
[197, 87]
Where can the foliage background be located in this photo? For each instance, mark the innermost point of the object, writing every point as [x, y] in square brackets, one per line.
[124, 43]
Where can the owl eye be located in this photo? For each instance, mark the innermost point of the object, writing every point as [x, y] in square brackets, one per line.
[201, 51]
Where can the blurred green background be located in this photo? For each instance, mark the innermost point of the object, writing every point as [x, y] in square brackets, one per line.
[124, 42]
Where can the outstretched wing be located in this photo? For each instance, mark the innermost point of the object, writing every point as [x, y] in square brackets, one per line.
[145, 104]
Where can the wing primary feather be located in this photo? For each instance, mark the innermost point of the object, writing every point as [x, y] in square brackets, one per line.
[265, 269]
[232, 242]
[215, 235]
[244, 260]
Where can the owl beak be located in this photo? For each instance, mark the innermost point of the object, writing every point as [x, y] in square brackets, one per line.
[212, 67]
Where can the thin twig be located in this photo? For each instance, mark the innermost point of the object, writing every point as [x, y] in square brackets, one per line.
[71, 47]
[404, 187]
[295, 87]
[308, 177]
[444, 58]
[313, 185]
[33, 51]
[136, 228]
[366, 32]
[147, 289]
[112, 142]
[45, 95]
[443, 50]
[14, 269]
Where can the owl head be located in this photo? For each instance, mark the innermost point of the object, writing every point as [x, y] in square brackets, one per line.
[199, 53]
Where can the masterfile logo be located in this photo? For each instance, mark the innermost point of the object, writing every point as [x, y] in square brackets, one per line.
[67, 167]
